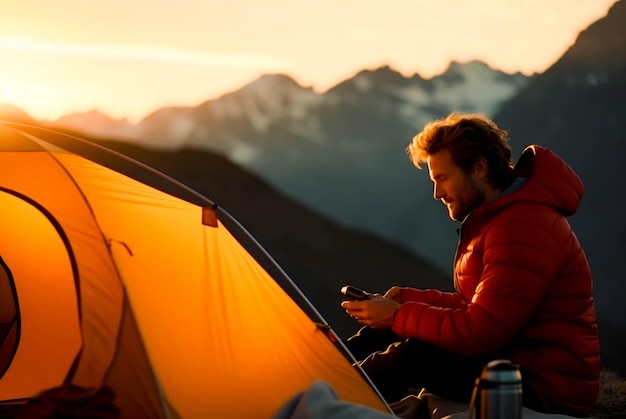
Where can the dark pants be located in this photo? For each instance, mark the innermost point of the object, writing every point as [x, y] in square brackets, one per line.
[397, 365]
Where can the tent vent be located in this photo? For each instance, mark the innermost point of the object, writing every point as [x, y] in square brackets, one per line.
[328, 330]
[209, 216]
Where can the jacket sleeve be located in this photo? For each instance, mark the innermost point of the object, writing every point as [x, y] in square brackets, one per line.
[518, 262]
[432, 297]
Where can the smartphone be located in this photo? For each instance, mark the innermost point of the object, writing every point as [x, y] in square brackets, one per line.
[354, 293]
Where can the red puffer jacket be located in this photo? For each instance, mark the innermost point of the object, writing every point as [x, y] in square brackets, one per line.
[523, 288]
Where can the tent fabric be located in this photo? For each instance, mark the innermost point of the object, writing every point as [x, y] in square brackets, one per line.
[167, 300]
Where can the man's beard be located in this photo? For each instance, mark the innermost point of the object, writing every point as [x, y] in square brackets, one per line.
[467, 203]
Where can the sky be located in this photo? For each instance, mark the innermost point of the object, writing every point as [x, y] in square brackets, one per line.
[128, 58]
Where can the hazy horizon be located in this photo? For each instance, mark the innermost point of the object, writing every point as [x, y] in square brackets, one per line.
[129, 58]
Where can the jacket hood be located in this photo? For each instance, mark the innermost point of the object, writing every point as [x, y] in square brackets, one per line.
[550, 182]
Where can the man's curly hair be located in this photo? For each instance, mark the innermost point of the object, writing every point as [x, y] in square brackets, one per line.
[467, 137]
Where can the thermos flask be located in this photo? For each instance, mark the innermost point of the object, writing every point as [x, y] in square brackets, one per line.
[499, 391]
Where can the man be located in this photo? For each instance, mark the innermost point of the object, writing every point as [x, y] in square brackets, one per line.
[523, 288]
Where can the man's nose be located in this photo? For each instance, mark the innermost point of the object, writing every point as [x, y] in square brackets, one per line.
[437, 192]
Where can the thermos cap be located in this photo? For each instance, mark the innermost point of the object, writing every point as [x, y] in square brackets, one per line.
[502, 365]
[501, 371]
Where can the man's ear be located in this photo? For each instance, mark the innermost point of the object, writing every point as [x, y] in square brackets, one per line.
[480, 168]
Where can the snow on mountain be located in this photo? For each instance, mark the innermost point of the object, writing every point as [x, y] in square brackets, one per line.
[470, 87]
[233, 123]
[265, 100]
[475, 87]
[226, 124]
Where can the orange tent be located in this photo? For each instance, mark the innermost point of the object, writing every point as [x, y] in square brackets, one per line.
[106, 280]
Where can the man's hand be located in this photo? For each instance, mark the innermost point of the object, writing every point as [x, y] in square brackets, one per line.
[377, 312]
[395, 294]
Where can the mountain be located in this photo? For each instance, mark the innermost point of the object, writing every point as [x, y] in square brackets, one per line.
[577, 108]
[341, 152]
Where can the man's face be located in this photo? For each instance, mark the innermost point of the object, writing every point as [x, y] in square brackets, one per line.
[459, 191]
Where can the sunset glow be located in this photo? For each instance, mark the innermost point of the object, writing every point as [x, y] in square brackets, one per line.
[128, 58]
